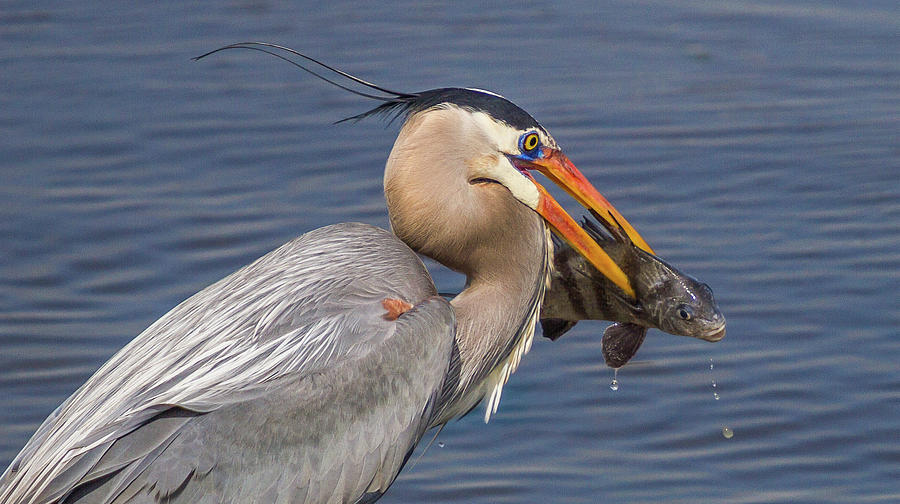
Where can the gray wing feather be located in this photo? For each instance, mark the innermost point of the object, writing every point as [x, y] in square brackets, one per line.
[327, 437]
[300, 326]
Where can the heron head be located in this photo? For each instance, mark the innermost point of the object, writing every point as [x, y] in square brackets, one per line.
[458, 139]
[493, 141]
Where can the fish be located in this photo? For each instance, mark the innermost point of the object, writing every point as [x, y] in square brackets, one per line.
[665, 298]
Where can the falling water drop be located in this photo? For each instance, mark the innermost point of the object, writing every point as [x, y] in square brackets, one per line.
[727, 433]
[614, 384]
[440, 444]
[712, 381]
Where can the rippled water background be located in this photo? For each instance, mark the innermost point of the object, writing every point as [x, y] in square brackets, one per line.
[754, 144]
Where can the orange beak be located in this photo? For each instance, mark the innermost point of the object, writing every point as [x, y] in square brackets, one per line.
[557, 167]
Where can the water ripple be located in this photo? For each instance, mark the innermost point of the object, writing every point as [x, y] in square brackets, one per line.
[754, 145]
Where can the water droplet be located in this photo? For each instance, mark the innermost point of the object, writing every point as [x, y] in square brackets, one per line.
[614, 385]
[727, 433]
[440, 444]
[712, 381]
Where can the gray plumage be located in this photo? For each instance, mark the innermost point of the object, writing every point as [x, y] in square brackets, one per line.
[295, 339]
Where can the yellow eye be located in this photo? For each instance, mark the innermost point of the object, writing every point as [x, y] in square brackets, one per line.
[530, 142]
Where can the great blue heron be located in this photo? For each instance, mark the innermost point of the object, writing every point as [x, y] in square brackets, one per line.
[310, 374]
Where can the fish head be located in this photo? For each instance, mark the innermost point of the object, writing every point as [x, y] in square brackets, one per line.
[677, 303]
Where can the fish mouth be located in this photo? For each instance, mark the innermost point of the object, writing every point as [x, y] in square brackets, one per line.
[713, 335]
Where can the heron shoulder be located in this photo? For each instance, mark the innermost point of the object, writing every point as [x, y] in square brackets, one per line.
[303, 308]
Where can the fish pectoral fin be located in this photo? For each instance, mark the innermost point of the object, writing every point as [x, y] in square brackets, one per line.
[620, 342]
[553, 328]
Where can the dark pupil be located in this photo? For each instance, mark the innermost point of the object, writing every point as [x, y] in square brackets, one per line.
[684, 314]
[530, 142]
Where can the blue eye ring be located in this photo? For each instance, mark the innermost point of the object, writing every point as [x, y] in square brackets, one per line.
[529, 143]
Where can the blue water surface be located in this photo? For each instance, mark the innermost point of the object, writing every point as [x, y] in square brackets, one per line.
[754, 144]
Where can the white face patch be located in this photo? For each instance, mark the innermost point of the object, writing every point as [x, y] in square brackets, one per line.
[506, 141]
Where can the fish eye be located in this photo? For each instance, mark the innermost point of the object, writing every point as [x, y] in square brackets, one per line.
[529, 143]
[685, 312]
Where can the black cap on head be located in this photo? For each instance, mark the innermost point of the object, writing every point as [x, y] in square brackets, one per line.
[491, 104]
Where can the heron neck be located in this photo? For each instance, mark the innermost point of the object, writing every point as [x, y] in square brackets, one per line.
[495, 316]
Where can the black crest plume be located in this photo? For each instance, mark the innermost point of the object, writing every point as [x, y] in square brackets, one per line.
[395, 103]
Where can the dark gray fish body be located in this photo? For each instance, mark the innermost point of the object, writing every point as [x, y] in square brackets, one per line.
[666, 298]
